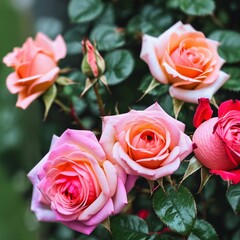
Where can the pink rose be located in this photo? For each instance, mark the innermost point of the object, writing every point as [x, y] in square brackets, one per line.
[186, 59]
[147, 143]
[218, 142]
[35, 66]
[75, 184]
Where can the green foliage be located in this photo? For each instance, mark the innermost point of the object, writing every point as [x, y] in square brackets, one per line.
[107, 37]
[129, 227]
[81, 11]
[150, 20]
[233, 83]
[119, 65]
[176, 208]
[230, 44]
[233, 196]
[117, 28]
[202, 230]
[197, 7]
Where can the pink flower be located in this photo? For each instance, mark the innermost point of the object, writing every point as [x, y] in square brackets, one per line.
[75, 184]
[218, 142]
[186, 59]
[35, 66]
[147, 143]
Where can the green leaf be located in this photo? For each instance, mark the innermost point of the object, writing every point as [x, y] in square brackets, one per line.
[107, 37]
[129, 227]
[230, 44]
[107, 16]
[203, 231]
[193, 166]
[233, 83]
[176, 208]
[157, 236]
[73, 38]
[119, 65]
[233, 197]
[151, 20]
[197, 7]
[48, 99]
[81, 11]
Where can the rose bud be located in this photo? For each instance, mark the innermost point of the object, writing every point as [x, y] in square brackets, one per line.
[93, 65]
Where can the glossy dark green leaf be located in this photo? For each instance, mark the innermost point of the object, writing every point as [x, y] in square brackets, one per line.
[229, 48]
[197, 7]
[119, 65]
[176, 208]
[233, 197]
[128, 227]
[233, 83]
[203, 231]
[81, 11]
[107, 37]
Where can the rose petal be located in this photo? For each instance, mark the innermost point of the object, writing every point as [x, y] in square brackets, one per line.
[203, 112]
[192, 96]
[210, 149]
[227, 106]
[232, 176]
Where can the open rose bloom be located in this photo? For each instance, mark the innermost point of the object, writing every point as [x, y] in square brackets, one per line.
[185, 59]
[35, 65]
[76, 185]
[218, 142]
[147, 143]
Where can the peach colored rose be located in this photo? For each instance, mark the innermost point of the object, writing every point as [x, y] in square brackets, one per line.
[75, 184]
[35, 65]
[218, 142]
[147, 143]
[185, 59]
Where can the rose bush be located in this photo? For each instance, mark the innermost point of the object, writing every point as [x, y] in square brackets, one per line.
[147, 143]
[76, 185]
[35, 65]
[186, 59]
[218, 141]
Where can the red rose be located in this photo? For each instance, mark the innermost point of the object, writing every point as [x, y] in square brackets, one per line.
[218, 141]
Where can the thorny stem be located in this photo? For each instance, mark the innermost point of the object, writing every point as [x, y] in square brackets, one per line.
[70, 111]
[75, 117]
[99, 100]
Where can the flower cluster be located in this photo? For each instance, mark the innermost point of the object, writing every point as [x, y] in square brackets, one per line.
[86, 178]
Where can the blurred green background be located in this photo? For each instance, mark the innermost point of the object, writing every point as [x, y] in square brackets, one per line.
[24, 136]
[19, 138]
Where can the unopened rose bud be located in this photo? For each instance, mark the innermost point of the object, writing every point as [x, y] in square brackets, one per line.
[93, 65]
